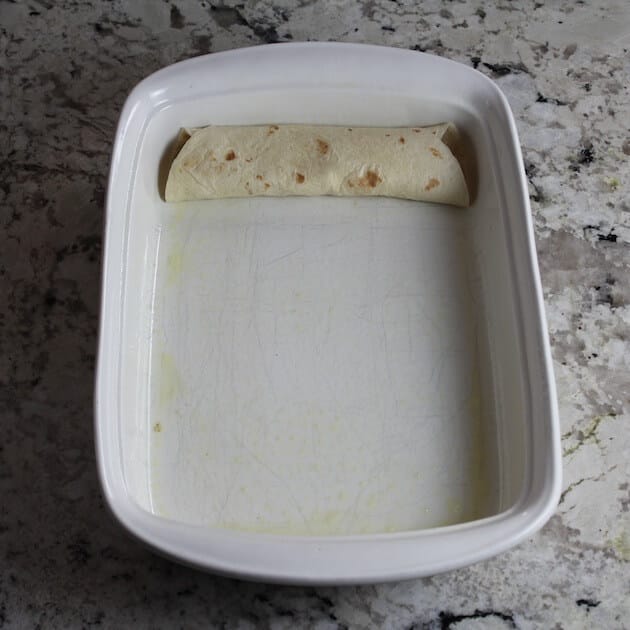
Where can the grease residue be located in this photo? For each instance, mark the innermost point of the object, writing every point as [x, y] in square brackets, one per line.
[168, 380]
[174, 265]
[291, 391]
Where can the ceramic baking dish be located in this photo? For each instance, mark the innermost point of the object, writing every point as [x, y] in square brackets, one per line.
[323, 390]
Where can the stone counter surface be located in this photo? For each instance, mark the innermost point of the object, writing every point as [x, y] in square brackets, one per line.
[65, 69]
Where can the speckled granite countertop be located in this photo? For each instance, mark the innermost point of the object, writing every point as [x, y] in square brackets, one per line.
[65, 70]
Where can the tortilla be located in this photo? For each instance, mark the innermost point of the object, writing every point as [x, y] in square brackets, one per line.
[282, 160]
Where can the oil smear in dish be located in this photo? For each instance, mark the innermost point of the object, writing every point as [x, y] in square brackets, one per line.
[315, 370]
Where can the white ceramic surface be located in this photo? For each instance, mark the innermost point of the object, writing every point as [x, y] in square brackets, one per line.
[370, 379]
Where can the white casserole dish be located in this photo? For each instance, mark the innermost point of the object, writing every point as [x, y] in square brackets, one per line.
[319, 390]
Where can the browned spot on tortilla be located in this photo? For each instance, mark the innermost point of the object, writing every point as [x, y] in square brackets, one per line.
[387, 135]
[432, 183]
[350, 185]
[191, 162]
[435, 152]
[369, 180]
[416, 130]
[349, 128]
[401, 140]
[272, 128]
[322, 146]
[267, 185]
[248, 159]
[299, 178]
[259, 177]
[157, 427]
[230, 155]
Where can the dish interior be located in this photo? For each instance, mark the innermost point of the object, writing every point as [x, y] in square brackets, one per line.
[319, 366]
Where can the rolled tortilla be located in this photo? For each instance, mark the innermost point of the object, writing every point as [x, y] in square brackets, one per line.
[282, 160]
